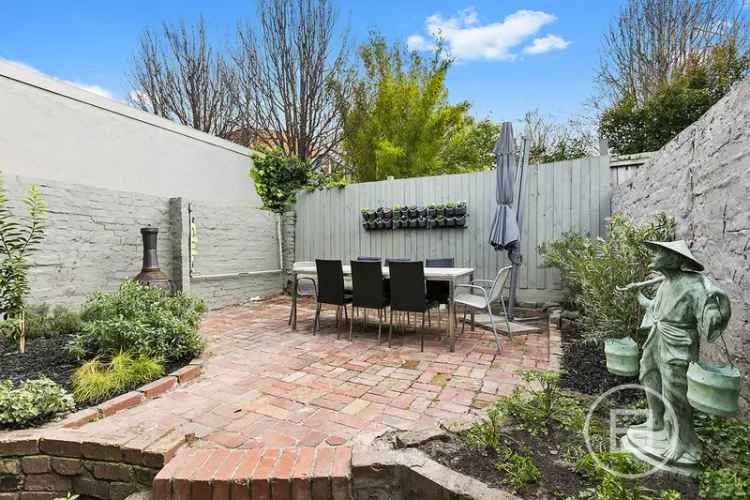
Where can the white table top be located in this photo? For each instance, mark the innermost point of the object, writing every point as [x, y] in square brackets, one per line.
[430, 273]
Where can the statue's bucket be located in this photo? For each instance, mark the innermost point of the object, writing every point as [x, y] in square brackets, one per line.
[622, 356]
[713, 388]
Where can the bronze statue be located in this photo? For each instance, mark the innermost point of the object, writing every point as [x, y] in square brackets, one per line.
[686, 307]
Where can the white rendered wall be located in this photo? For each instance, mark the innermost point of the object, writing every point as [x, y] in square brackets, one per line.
[52, 130]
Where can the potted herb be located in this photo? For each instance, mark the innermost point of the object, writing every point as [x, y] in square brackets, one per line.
[412, 211]
[450, 221]
[387, 213]
[431, 211]
[412, 223]
[422, 222]
[379, 223]
[379, 212]
[440, 221]
[431, 223]
[387, 223]
[364, 213]
[440, 210]
[449, 209]
[421, 212]
[460, 208]
[461, 221]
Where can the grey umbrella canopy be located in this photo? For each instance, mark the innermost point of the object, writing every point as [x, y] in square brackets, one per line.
[504, 230]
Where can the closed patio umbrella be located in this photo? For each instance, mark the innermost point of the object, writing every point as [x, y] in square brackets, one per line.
[505, 231]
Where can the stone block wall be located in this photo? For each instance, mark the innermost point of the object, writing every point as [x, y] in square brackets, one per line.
[232, 240]
[93, 243]
[702, 179]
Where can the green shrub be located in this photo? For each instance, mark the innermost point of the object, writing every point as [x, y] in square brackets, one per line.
[726, 456]
[32, 401]
[142, 320]
[617, 461]
[94, 379]
[278, 178]
[485, 433]
[725, 484]
[41, 319]
[591, 269]
[519, 471]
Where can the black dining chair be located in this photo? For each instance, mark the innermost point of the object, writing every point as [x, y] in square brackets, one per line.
[439, 291]
[408, 293]
[396, 259]
[330, 289]
[370, 259]
[369, 291]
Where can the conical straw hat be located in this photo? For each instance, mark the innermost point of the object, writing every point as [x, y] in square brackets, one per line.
[680, 248]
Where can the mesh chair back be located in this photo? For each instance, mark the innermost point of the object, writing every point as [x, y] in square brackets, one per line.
[369, 289]
[408, 286]
[500, 281]
[441, 262]
[395, 259]
[370, 259]
[330, 282]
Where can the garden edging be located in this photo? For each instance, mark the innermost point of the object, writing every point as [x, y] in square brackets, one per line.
[136, 397]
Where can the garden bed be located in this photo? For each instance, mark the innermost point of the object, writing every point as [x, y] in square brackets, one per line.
[550, 453]
[46, 356]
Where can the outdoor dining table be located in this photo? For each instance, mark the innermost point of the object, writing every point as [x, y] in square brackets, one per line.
[450, 275]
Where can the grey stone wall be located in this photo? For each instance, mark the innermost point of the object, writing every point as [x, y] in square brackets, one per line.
[702, 179]
[232, 240]
[93, 243]
[93, 240]
[288, 227]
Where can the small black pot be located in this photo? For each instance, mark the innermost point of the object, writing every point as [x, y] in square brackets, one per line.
[422, 222]
[431, 223]
[431, 213]
[461, 221]
[441, 222]
[387, 213]
[421, 212]
[449, 211]
[388, 223]
[366, 225]
[404, 213]
[380, 224]
[440, 211]
[460, 210]
[450, 221]
[412, 213]
[396, 223]
[413, 223]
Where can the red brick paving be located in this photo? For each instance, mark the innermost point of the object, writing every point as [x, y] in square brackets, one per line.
[280, 403]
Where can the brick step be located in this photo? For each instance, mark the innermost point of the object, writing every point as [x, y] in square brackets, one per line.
[305, 473]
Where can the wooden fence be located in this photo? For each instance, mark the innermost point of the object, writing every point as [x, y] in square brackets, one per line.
[561, 197]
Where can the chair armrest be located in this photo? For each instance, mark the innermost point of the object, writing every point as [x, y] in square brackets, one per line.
[482, 281]
[484, 292]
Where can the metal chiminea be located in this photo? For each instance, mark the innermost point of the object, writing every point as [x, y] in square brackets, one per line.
[151, 274]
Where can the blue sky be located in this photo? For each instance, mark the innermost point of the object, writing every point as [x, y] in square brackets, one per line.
[513, 56]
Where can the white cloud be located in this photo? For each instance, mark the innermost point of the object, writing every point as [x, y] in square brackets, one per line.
[467, 39]
[546, 44]
[94, 89]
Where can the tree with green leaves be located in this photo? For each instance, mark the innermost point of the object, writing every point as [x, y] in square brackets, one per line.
[18, 238]
[633, 127]
[397, 120]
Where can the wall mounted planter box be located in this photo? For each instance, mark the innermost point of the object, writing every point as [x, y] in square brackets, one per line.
[413, 217]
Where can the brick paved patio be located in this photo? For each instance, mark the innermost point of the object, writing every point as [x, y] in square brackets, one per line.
[282, 402]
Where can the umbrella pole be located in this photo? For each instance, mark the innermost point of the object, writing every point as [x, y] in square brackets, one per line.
[519, 219]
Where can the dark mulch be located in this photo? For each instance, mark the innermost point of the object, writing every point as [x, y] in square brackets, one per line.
[559, 478]
[47, 356]
[585, 367]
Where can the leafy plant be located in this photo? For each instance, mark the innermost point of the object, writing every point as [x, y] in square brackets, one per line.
[591, 269]
[726, 456]
[278, 178]
[519, 471]
[41, 319]
[69, 496]
[485, 433]
[18, 238]
[32, 401]
[725, 483]
[142, 320]
[94, 379]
